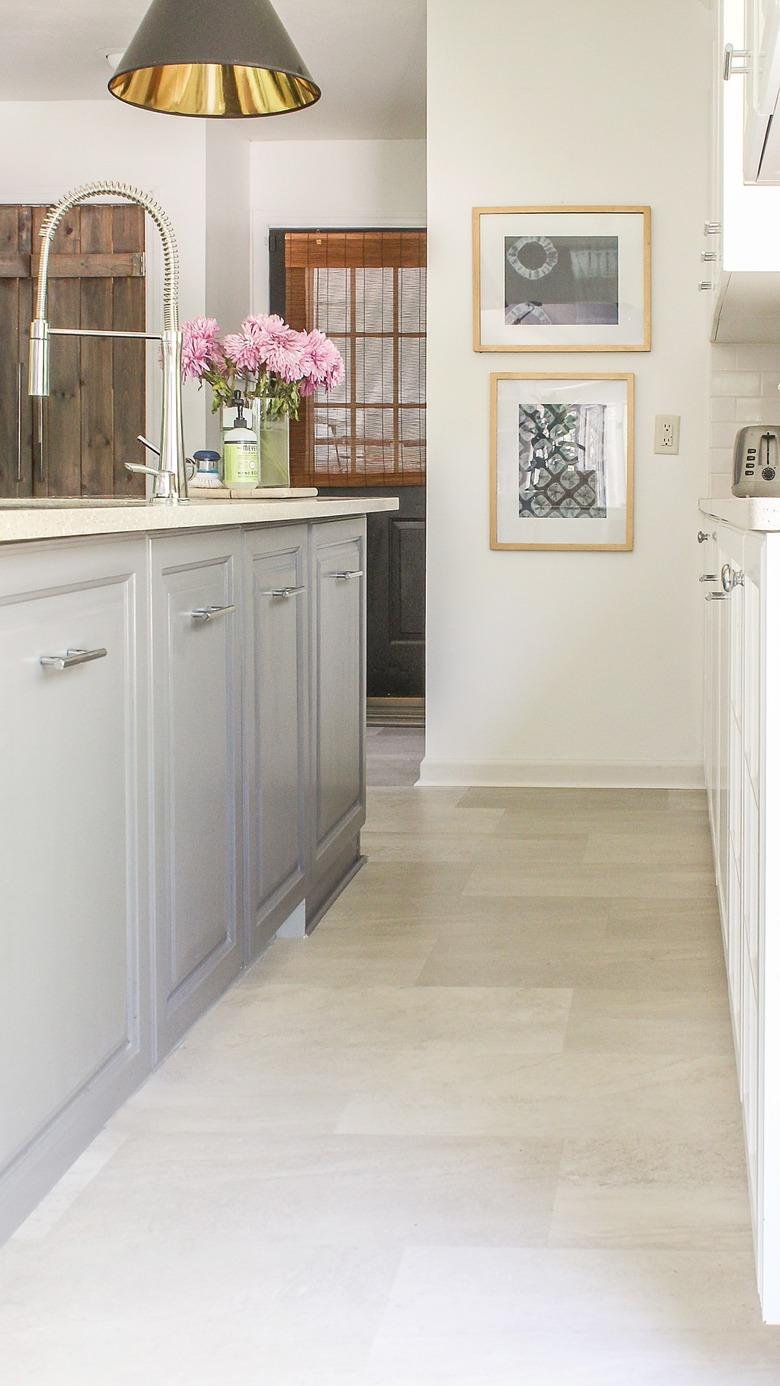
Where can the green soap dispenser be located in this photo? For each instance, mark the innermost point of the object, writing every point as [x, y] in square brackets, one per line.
[240, 454]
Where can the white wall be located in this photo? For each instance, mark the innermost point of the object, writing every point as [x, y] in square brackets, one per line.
[559, 667]
[228, 238]
[332, 183]
[50, 147]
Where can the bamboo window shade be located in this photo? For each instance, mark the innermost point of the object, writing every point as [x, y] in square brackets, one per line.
[365, 290]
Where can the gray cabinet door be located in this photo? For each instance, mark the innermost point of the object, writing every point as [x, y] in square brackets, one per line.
[338, 686]
[74, 964]
[196, 714]
[275, 723]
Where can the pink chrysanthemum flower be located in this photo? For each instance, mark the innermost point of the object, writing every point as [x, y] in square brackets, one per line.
[322, 366]
[201, 348]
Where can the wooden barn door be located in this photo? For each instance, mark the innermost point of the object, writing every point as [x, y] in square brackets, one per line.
[76, 442]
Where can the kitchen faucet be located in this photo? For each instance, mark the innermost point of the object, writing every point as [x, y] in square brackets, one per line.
[170, 478]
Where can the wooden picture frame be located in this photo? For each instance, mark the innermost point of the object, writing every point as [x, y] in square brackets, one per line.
[524, 496]
[599, 257]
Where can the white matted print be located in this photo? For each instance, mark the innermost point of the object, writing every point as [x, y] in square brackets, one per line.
[561, 279]
[561, 461]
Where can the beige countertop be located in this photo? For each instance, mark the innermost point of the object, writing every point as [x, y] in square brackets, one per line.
[22, 521]
[760, 513]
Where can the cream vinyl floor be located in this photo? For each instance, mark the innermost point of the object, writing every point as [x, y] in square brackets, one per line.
[480, 1129]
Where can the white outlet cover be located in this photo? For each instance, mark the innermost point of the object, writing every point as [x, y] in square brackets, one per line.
[667, 434]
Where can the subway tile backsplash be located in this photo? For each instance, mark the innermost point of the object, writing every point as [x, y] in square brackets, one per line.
[743, 390]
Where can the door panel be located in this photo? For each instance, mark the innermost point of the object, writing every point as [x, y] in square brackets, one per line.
[277, 579]
[197, 757]
[72, 850]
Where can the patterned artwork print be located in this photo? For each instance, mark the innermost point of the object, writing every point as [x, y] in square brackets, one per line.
[560, 279]
[561, 461]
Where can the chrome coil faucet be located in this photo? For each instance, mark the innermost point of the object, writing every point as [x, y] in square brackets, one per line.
[169, 477]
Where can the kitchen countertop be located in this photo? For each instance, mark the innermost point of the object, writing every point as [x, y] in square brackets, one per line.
[23, 522]
[757, 513]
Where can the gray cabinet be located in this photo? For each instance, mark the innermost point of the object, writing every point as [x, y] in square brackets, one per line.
[275, 726]
[174, 787]
[196, 718]
[74, 954]
[337, 708]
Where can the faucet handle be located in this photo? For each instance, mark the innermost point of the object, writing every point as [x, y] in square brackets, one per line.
[140, 467]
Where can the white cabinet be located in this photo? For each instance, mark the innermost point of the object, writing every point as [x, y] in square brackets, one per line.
[74, 952]
[196, 722]
[742, 764]
[742, 229]
[761, 148]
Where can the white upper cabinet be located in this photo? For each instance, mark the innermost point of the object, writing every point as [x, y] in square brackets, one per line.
[761, 65]
[741, 242]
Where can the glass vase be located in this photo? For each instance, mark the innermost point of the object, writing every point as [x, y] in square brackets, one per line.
[274, 440]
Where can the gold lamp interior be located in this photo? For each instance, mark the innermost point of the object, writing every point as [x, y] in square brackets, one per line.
[214, 89]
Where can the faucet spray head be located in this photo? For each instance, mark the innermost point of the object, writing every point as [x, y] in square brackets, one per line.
[38, 378]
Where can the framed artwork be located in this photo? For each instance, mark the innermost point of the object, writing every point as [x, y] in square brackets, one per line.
[561, 461]
[561, 278]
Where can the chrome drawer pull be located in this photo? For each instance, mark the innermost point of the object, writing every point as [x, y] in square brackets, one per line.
[717, 597]
[210, 613]
[731, 578]
[702, 536]
[345, 577]
[71, 658]
[708, 577]
[282, 591]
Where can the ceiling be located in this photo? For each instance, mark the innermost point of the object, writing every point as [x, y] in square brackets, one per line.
[367, 56]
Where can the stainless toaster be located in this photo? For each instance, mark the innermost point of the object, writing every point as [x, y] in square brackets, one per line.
[757, 461]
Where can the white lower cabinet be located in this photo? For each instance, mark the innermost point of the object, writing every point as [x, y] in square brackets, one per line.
[741, 571]
[75, 1003]
[184, 768]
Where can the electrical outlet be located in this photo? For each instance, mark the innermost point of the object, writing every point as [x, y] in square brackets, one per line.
[667, 433]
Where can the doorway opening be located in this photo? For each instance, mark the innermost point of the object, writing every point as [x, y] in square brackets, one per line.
[365, 288]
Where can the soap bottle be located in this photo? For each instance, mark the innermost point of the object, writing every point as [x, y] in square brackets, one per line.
[240, 453]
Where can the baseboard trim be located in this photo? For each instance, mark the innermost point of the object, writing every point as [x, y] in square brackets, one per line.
[561, 775]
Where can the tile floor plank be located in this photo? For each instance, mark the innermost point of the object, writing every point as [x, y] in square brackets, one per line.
[482, 1128]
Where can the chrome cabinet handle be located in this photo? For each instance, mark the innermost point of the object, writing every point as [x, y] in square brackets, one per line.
[282, 591]
[210, 613]
[703, 537]
[71, 658]
[712, 228]
[731, 578]
[708, 255]
[708, 577]
[345, 577]
[717, 597]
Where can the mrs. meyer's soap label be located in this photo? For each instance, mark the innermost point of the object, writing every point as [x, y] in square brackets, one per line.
[241, 463]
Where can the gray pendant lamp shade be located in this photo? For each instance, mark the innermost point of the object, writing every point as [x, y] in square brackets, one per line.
[201, 58]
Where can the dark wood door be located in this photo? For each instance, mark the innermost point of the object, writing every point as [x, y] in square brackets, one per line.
[395, 594]
[366, 288]
[75, 442]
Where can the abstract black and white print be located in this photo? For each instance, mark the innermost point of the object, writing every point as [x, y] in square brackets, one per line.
[561, 461]
[560, 279]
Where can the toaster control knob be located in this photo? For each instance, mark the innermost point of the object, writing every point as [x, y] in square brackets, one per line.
[768, 473]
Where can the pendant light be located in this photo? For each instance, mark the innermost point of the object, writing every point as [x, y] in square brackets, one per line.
[198, 58]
